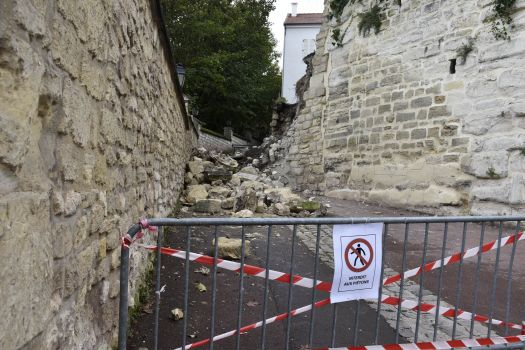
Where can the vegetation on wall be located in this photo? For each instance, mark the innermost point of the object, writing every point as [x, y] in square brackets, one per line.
[370, 20]
[501, 18]
[465, 49]
[337, 38]
[228, 50]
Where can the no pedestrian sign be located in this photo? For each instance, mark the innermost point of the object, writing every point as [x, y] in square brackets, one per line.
[357, 257]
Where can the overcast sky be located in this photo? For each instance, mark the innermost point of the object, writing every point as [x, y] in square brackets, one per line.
[282, 8]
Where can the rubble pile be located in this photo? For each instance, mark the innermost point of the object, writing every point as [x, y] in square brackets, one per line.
[216, 184]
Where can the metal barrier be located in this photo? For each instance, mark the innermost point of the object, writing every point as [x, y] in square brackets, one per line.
[424, 242]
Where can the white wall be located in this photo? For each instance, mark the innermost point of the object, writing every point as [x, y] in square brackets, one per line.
[293, 65]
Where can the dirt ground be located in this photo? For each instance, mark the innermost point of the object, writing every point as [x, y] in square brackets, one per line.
[227, 290]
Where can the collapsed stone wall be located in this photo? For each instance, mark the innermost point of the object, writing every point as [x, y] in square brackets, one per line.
[386, 121]
[92, 137]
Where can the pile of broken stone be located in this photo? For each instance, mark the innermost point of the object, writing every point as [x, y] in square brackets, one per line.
[216, 184]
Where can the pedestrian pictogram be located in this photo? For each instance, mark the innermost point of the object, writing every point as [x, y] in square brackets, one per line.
[357, 264]
[359, 255]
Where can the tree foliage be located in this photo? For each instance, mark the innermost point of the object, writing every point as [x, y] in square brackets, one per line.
[231, 65]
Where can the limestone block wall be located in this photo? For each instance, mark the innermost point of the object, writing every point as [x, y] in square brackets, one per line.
[387, 121]
[91, 138]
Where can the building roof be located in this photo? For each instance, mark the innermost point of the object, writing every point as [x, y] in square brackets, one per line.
[304, 18]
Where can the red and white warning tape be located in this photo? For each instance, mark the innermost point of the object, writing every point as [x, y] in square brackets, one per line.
[439, 345]
[325, 286]
[456, 257]
[144, 225]
[258, 324]
[248, 269]
[444, 311]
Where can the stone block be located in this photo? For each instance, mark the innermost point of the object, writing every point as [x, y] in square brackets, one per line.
[403, 117]
[433, 132]
[460, 141]
[422, 114]
[231, 248]
[208, 206]
[421, 102]
[436, 89]
[439, 99]
[454, 85]
[518, 109]
[418, 134]
[80, 270]
[438, 111]
[512, 78]
[196, 167]
[486, 165]
[384, 109]
[399, 106]
[397, 95]
[372, 101]
[391, 80]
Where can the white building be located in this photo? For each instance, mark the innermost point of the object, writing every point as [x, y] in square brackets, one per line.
[300, 30]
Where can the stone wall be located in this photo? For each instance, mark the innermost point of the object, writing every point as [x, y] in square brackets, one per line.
[220, 144]
[386, 121]
[92, 137]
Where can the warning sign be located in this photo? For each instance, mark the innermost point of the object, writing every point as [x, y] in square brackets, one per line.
[357, 261]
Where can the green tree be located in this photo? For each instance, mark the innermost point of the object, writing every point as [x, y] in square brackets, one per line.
[231, 65]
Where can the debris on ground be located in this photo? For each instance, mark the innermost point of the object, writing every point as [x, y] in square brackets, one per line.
[216, 183]
[176, 314]
[200, 287]
[230, 248]
[202, 270]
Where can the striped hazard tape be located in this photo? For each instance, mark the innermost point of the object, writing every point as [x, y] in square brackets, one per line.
[388, 300]
[326, 286]
[258, 324]
[440, 345]
[508, 240]
[247, 269]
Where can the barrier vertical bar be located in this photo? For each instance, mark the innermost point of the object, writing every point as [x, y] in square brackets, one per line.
[186, 286]
[421, 281]
[440, 281]
[123, 293]
[403, 268]
[290, 290]
[214, 284]
[314, 290]
[378, 316]
[123, 302]
[459, 281]
[334, 323]
[476, 282]
[356, 322]
[157, 289]
[241, 290]
[494, 279]
[266, 282]
[509, 281]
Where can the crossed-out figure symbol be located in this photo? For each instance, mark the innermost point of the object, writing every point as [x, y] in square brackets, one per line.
[360, 253]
